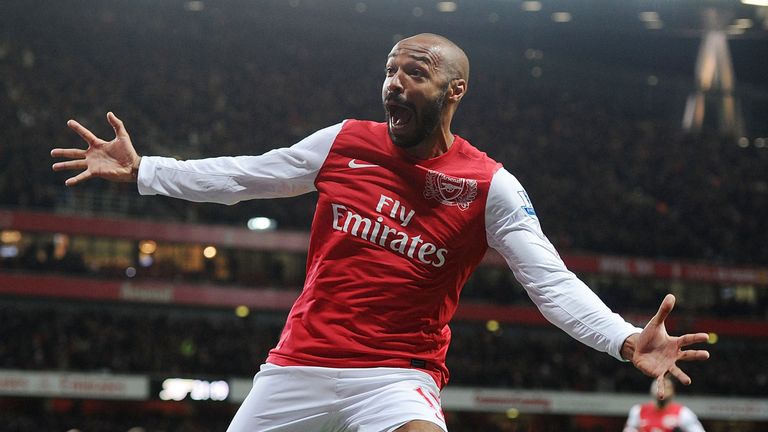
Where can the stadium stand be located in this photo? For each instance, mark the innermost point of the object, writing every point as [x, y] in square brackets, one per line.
[597, 147]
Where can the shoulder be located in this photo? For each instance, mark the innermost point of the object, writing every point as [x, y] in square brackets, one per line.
[471, 153]
[676, 407]
[685, 411]
[688, 418]
[363, 126]
[633, 419]
[506, 192]
[360, 134]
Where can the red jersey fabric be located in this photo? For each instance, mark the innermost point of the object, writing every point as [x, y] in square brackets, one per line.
[653, 419]
[393, 241]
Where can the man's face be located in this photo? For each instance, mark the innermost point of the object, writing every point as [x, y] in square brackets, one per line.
[413, 93]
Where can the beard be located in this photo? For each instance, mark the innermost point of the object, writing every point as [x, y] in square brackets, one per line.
[426, 121]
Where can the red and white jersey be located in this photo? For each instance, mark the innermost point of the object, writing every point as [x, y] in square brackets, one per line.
[393, 241]
[673, 417]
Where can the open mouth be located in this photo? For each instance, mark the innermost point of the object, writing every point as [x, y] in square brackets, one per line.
[399, 115]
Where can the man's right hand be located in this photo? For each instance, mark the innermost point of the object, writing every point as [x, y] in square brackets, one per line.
[115, 160]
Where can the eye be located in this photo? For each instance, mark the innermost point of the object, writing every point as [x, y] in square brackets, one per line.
[390, 70]
[417, 73]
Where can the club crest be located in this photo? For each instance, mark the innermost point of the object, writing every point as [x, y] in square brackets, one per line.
[450, 191]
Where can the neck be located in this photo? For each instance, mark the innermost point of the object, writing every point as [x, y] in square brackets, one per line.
[436, 144]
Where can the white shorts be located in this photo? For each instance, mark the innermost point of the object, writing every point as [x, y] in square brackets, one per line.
[318, 399]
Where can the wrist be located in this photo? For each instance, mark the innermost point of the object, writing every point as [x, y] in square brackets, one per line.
[628, 347]
[135, 169]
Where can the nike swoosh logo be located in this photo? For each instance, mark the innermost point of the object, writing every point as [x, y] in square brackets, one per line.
[353, 164]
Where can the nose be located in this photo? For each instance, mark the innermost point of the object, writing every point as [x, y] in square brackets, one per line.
[393, 84]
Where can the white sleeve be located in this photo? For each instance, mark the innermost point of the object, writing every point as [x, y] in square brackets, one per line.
[283, 172]
[689, 422]
[513, 229]
[633, 420]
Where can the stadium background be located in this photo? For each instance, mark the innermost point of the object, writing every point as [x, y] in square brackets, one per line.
[112, 306]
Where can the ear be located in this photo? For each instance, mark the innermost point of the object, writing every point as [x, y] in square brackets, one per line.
[458, 88]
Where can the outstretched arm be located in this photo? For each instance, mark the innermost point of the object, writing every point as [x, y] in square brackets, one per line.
[283, 172]
[655, 353]
[514, 231]
[114, 160]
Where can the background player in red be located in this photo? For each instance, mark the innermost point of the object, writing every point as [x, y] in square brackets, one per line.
[662, 414]
[406, 210]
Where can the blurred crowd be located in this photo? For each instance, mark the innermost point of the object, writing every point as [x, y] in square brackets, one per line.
[161, 341]
[598, 148]
[185, 265]
[208, 418]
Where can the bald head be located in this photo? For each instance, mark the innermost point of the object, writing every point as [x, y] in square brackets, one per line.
[446, 56]
[426, 78]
